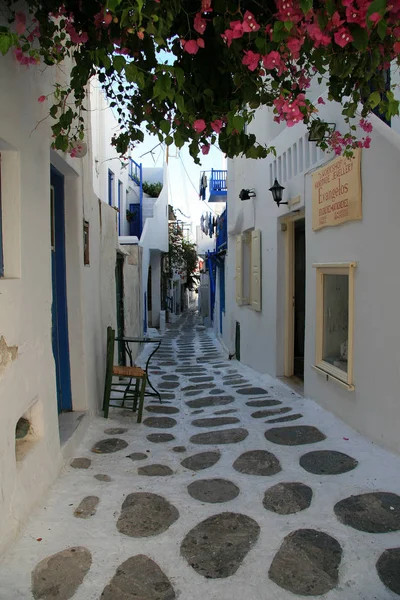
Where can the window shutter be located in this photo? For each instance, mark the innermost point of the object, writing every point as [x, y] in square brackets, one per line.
[239, 270]
[255, 271]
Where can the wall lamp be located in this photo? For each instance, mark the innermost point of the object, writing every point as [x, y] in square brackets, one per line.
[277, 192]
[247, 194]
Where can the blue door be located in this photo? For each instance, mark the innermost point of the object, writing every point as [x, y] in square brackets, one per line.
[59, 283]
[221, 266]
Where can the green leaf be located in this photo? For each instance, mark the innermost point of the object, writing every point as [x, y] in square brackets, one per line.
[131, 72]
[382, 29]
[288, 25]
[374, 99]
[376, 6]
[169, 140]
[119, 63]
[113, 4]
[238, 123]
[165, 126]
[180, 76]
[360, 38]
[180, 103]
[5, 43]
[306, 5]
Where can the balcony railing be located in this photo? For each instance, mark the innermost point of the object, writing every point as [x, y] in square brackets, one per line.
[218, 187]
[136, 174]
[222, 232]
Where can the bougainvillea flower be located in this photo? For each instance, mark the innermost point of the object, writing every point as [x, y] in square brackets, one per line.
[199, 125]
[251, 59]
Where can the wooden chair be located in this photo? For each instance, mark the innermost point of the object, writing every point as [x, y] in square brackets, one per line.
[135, 394]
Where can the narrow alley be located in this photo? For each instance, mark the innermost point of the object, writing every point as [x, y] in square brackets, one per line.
[233, 488]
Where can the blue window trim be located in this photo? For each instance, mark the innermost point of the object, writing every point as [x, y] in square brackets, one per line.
[1, 231]
[110, 187]
[120, 188]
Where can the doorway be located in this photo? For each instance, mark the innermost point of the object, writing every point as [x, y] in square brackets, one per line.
[295, 299]
[59, 312]
[299, 297]
[119, 288]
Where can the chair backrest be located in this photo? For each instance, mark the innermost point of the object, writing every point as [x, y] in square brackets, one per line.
[110, 348]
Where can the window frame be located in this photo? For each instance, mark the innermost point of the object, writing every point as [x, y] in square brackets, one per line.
[322, 269]
[249, 269]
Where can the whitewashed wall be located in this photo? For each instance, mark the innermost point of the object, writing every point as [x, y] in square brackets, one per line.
[27, 376]
[373, 408]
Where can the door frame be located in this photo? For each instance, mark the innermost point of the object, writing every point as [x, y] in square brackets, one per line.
[59, 309]
[289, 222]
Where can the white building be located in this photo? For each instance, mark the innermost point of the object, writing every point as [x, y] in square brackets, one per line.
[308, 301]
[64, 277]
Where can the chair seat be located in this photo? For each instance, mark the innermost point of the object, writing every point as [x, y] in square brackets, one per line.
[128, 371]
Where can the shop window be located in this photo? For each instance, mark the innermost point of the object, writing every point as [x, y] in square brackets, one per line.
[248, 269]
[86, 248]
[334, 326]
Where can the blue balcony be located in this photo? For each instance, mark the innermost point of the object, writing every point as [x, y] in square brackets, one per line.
[218, 188]
[136, 175]
[222, 233]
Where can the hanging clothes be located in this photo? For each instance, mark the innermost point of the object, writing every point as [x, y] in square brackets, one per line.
[210, 226]
[203, 186]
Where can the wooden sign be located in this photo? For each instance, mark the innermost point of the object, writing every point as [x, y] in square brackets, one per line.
[336, 192]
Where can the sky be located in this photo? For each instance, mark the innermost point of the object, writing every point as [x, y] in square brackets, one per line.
[184, 174]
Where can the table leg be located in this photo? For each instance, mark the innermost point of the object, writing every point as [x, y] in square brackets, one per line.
[157, 393]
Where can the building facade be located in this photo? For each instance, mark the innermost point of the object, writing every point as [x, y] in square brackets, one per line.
[64, 277]
[312, 286]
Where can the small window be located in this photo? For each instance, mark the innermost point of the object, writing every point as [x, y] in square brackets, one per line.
[248, 269]
[86, 255]
[334, 327]
[110, 187]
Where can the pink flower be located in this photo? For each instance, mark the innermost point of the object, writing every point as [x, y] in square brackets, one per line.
[294, 46]
[356, 15]
[336, 21]
[396, 47]
[107, 19]
[375, 17]
[343, 37]
[321, 100]
[200, 42]
[191, 46]
[76, 38]
[206, 6]
[251, 59]
[367, 142]
[205, 148]
[41, 98]
[199, 125]
[271, 60]
[365, 125]
[200, 24]
[319, 37]
[249, 22]
[217, 125]
[20, 22]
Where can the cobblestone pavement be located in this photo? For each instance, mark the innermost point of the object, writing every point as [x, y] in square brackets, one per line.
[234, 488]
